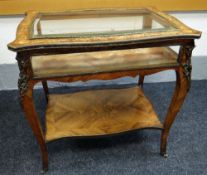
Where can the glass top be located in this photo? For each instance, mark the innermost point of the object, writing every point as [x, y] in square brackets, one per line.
[71, 25]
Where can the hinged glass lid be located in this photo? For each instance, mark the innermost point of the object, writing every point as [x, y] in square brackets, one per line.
[91, 23]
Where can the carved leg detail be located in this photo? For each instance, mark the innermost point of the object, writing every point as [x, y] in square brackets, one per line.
[182, 86]
[141, 80]
[30, 114]
[45, 87]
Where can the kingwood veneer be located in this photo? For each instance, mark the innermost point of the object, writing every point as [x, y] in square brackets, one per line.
[105, 50]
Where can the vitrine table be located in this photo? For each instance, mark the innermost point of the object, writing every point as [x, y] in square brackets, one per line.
[100, 44]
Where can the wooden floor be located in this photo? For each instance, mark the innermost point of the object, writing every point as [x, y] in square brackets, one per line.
[98, 112]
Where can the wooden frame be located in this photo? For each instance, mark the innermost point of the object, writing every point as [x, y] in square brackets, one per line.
[13, 7]
[24, 41]
[26, 48]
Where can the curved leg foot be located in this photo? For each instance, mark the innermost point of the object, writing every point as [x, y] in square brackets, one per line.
[31, 115]
[165, 155]
[44, 169]
[176, 103]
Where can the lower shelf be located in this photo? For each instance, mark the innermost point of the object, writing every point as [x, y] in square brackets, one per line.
[99, 112]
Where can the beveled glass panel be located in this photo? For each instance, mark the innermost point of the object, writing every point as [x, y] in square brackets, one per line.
[93, 24]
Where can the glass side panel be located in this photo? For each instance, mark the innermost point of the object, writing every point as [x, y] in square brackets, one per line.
[80, 25]
[102, 61]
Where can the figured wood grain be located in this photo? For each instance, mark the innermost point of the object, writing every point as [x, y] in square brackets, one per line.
[104, 61]
[98, 112]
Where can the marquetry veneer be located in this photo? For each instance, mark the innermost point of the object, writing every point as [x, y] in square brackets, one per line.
[99, 112]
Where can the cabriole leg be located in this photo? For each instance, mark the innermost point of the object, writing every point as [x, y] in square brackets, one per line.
[183, 81]
[176, 103]
[26, 98]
